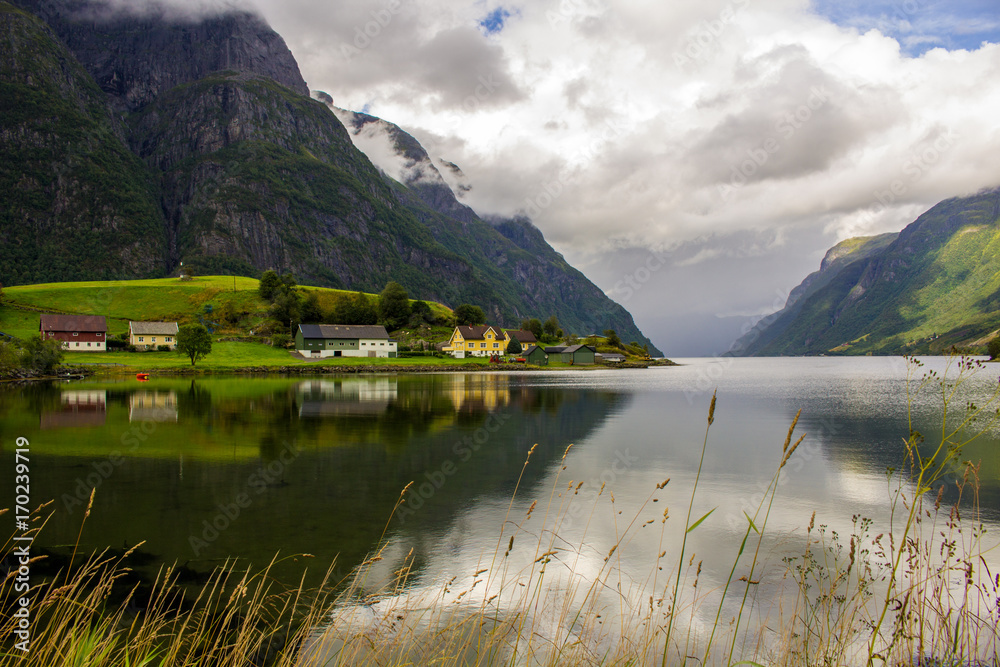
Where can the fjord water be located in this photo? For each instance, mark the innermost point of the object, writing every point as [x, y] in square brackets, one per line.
[211, 468]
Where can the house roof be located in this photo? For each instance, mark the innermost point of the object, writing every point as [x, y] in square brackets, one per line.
[555, 349]
[531, 349]
[341, 331]
[476, 332]
[612, 355]
[153, 328]
[81, 323]
[521, 336]
[577, 348]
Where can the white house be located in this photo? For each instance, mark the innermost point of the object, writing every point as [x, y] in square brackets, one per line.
[344, 340]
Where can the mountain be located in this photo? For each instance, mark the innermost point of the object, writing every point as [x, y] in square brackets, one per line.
[934, 285]
[149, 139]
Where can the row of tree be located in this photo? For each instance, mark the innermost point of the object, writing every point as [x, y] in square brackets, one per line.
[392, 308]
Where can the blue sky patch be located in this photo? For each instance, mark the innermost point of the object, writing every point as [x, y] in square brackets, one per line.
[919, 25]
[495, 21]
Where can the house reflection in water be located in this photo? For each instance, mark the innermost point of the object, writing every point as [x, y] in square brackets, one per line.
[479, 392]
[333, 398]
[159, 406]
[77, 408]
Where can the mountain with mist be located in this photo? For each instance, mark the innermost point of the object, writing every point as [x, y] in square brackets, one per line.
[934, 285]
[135, 140]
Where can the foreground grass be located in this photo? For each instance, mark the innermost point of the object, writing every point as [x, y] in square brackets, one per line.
[917, 591]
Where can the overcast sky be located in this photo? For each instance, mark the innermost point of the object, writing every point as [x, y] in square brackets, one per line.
[694, 158]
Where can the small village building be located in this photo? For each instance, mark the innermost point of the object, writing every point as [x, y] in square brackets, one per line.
[344, 340]
[79, 333]
[477, 341]
[536, 355]
[578, 355]
[610, 358]
[150, 335]
[525, 338]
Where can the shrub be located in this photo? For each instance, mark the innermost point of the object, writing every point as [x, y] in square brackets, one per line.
[282, 340]
[42, 356]
[163, 348]
[130, 348]
[993, 347]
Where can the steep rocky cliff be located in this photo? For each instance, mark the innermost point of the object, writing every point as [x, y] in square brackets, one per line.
[135, 56]
[75, 202]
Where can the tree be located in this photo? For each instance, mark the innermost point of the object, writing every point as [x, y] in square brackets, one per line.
[534, 326]
[10, 357]
[469, 315]
[311, 311]
[42, 356]
[194, 341]
[993, 347]
[393, 306]
[365, 311]
[287, 309]
[551, 326]
[514, 346]
[612, 338]
[270, 285]
[420, 313]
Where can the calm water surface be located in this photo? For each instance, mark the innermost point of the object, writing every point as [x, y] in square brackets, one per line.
[212, 468]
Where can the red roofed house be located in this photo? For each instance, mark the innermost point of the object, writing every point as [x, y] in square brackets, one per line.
[79, 333]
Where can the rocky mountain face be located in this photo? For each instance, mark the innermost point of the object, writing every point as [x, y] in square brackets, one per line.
[199, 143]
[934, 285]
[75, 202]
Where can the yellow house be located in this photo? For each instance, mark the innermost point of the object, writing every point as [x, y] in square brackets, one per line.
[479, 341]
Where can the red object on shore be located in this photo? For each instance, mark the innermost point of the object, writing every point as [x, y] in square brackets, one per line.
[142, 377]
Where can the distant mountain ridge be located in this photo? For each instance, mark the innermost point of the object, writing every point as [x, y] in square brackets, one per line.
[195, 141]
[934, 285]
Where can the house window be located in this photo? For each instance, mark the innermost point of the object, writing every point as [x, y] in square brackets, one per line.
[168, 339]
[88, 344]
[482, 345]
[75, 333]
[99, 335]
[140, 338]
[382, 344]
[472, 346]
[496, 344]
[78, 343]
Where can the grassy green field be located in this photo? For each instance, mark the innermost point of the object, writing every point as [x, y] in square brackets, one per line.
[231, 356]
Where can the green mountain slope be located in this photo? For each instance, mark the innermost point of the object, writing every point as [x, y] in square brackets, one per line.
[936, 285]
[76, 202]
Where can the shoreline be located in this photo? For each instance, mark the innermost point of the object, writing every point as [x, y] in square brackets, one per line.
[78, 372]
